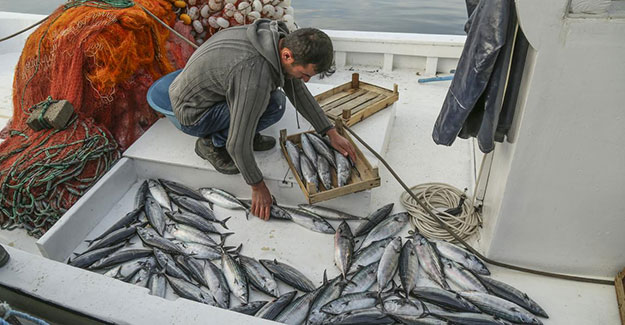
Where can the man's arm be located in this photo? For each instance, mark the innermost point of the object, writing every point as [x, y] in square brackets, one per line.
[248, 95]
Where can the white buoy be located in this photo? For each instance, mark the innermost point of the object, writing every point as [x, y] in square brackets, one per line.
[197, 25]
[222, 22]
[268, 11]
[239, 18]
[279, 13]
[205, 11]
[253, 15]
[231, 1]
[229, 10]
[215, 5]
[257, 6]
[191, 2]
[193, 12]
[244, 8]
[289, 11]
[212, 21]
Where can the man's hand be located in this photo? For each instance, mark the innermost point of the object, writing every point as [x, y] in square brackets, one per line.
[341, 144]
[261, 201]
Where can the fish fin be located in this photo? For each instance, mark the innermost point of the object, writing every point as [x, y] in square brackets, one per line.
[223, 237]
[325, 277]
[223, 222]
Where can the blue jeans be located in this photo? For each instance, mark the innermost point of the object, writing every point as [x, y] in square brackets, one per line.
[216, 121]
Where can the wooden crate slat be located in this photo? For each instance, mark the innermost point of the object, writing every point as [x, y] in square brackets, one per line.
[347, 102]
[346, 99]
[619, 285]
[331, 99]
[335, 90]
[364, 113]
[365, 99]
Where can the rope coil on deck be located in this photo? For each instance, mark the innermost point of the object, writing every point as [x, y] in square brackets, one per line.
[6, 313]
[439, 197]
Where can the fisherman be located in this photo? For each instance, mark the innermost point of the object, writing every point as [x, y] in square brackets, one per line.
[229, 91]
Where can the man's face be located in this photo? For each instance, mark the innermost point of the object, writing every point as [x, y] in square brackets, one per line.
[299, 71]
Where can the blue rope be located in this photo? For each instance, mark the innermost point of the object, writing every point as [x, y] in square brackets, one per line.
[10, 312]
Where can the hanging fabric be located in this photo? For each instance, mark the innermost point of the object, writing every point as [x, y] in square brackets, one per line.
[474, 102]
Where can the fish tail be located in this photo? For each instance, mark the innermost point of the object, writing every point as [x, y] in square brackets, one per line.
[223, 222]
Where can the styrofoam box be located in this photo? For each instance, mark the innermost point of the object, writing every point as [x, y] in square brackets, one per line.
[113, 196]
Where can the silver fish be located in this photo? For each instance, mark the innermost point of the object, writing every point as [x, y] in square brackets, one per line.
[460, 256]
[500, 307]
[397, 306]
[180, 189]
[125, 221]
[199, 251]
[310, 221]
[370, 254]
[363, 279]
[190, 235]
[259, 276]
[273, 308]
[196, 221]
[189, 291]
[390, 227]
[157, 191]
[169, 265]
[201, 208]
[471, 318]
[235, 276]
[309, 171]
[322, 149]
[156, 215]
[461, 277]
[158, 285]
[141, 195]
[330, 291]
[389, 263]
[295, 313]
[343, 169]
[222, 198]
[328, 213]
[289, 275]
[323, 170]
[309, 151]
[350, 302]
[141, 278]
[151, 238]
[343, 248]
[429, 260]
[408, 267]
[121, 256]
[294, 154]
[373, 220]
[113, 238]
[362, 316]
[84, 260]
[276, 212]
[127, 270]
[512, 294]
[194, 268]
[217, 284]
[444, 298]
[250, 308]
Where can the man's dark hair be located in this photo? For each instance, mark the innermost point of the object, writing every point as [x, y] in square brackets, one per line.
[310, 45]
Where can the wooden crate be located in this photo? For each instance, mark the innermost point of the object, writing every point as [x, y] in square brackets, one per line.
[619, 284]
[356, 100]
[368, 178]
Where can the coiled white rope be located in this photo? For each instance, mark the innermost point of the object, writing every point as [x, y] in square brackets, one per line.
[439, 197]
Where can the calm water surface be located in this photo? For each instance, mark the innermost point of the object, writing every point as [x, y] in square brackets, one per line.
[405, 16]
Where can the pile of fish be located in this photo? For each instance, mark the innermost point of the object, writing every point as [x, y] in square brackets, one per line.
[315, 160]
[172, 237]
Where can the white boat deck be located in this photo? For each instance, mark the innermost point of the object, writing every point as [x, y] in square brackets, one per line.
[410, 151]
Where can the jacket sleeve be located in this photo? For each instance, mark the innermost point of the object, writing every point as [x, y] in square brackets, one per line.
[247, 95]
[306, 105]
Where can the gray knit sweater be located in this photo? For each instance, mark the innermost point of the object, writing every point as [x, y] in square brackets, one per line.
[240, 65]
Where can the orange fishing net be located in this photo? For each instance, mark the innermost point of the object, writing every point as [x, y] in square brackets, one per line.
[102, 60]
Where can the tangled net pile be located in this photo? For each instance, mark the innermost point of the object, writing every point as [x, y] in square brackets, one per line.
[101, 56]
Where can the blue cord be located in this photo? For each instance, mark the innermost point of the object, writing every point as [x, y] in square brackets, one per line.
[10, 312]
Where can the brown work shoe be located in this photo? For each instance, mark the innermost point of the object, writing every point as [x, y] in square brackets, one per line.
[218, 157]
[263, 142]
